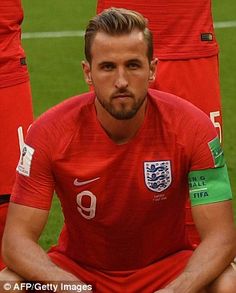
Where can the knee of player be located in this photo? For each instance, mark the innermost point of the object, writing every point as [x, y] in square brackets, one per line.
[226, 282]
[10, 281]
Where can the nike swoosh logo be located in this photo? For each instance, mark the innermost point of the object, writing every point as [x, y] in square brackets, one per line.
[81, 183]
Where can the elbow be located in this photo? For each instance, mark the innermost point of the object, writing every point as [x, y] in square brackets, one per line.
[230, 243]
[5, 251]
[8, 250]
[234, 242]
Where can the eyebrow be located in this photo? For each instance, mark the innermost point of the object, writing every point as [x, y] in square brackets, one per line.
[134, 61]
[105, 63]
[128, 61]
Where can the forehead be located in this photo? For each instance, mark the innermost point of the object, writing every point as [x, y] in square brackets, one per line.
[113, 46]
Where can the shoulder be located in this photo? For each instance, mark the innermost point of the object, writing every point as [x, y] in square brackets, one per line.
[187, 123]
[67, 112]
[70, 107]
[175, 108]
[61, 121]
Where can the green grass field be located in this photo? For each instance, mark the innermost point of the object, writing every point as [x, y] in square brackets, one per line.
[55, 69]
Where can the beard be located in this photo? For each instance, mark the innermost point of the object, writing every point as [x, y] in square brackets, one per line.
[122, 111]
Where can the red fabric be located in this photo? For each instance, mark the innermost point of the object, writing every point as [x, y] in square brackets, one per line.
[144, 280]
[3, 214]
[16, 110]
[12, 71]
[176, 25]
[117, 221]
[197, 81]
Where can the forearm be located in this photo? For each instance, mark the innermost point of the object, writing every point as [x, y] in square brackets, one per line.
[26, 258]
[210, 259]
[21, 251]
[31, 262]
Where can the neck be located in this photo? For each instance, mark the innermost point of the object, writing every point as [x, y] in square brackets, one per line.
[120, 131]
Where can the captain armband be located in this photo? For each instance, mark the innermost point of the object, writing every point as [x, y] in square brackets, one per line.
[209, 186]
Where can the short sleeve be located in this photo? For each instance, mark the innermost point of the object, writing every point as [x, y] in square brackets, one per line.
[34, 185]
[208, 176]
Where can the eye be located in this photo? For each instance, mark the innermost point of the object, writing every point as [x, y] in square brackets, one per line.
[133, 65]
[107, 66]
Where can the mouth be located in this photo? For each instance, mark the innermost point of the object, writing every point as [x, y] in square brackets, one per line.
[122, 96]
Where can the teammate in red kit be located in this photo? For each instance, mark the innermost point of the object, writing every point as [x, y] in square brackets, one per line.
[187, 52]
[123, 161]
[15, 99]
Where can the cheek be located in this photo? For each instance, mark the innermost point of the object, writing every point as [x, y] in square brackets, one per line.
[140, 77]
[101, 79]
[141, 83]
[102, 90]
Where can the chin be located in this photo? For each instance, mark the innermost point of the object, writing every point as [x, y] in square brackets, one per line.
[123, 115]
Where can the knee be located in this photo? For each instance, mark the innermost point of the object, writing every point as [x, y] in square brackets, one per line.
[225, 283]
[7, 281]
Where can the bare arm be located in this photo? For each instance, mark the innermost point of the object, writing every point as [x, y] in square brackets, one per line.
[21, 252]
[217, 249]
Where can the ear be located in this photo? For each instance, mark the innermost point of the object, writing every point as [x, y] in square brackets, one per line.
[153, 66]
[87, 72]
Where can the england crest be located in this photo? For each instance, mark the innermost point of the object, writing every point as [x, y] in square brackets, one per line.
[157, 175]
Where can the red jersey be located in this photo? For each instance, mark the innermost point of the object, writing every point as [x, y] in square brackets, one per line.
[181, 29]
[13, 68]
[124, 205]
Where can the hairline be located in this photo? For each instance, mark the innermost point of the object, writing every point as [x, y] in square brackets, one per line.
[118, 34]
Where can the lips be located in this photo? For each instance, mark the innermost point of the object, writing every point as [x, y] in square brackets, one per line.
[122, 96]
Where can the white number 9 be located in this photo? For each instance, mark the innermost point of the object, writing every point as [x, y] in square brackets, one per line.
[87, 212]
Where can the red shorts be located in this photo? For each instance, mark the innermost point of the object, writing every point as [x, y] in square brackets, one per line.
[16, 110]
[195, 80]
[145, 280]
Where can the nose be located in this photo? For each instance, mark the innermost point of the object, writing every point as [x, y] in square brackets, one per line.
[121, 79]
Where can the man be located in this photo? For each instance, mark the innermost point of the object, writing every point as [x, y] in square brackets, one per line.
[120, 160]
[187, 52]
[186, 48]
[15, 99]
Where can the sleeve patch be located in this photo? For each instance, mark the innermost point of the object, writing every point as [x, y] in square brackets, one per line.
[217, 152]
[209, 186]
[24, 164]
